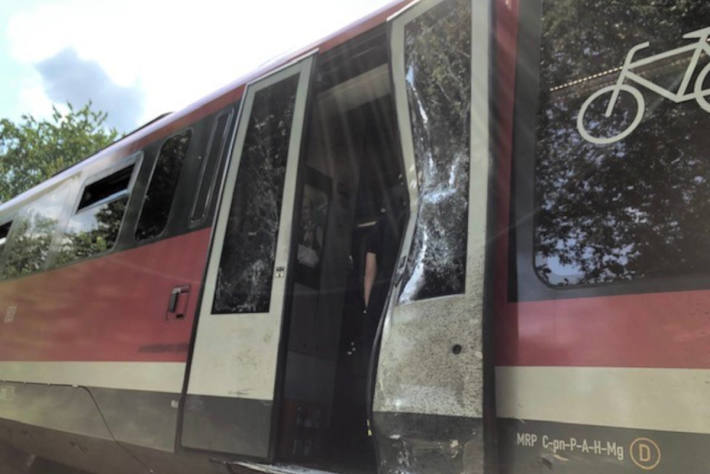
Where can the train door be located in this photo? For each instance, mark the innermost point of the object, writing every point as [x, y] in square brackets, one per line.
[229, 403]
[350, 192]
[429, 395]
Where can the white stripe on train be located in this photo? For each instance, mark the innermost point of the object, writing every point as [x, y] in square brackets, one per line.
[145, 376]
[643, 398]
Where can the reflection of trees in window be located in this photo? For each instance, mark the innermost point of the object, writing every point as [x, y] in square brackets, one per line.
[247, 262]
[639, 207]
[163, 183]
[437, 61]
[30, 244]
[91, 231]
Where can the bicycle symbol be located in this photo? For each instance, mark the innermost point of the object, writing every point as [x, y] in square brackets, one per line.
[681, 95]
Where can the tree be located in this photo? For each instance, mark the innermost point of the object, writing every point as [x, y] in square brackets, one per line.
[34, 150]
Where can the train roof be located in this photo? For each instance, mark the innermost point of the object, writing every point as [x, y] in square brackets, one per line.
[169, 123]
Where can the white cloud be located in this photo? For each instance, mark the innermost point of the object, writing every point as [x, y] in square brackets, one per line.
[175, 51]
[35, 101]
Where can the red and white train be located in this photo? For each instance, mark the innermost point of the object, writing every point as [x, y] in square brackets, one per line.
[534, 183]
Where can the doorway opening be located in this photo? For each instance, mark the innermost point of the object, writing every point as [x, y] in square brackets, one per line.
[351, 201]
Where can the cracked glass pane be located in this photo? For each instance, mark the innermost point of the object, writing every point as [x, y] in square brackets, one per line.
[247, 262]
[438, 82]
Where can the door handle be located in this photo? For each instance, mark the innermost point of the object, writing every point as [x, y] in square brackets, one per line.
[177, 304]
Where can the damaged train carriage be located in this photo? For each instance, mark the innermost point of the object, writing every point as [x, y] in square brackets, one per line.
[191, 298]
[527, 175]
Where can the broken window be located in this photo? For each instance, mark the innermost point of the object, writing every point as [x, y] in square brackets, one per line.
[437, 49]
[247, 262]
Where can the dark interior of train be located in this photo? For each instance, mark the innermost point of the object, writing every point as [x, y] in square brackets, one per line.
[351, 182]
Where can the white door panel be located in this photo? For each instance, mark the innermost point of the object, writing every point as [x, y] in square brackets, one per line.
[238, 338]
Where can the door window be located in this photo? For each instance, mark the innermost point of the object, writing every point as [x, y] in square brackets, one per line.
[247, 263]
[437, 54]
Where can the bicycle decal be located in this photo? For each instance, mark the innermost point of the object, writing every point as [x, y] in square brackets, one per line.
[628, 75]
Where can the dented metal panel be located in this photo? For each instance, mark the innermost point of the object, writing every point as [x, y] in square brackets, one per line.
[429, 393]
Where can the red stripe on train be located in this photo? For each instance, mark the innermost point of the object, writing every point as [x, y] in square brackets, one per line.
[111, 308]
[665, 330]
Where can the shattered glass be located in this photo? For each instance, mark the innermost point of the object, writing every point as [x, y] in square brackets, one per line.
[437, 75]
[247, 262]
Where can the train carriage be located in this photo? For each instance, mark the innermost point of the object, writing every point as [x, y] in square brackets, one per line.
[529, 180]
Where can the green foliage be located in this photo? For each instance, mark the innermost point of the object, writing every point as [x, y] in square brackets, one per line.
[31, 234]
[33, 150]
[92, 232]
[33, 237]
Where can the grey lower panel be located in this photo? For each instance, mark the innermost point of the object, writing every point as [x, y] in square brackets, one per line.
[140, 418]
[418, 444]
[227, 425]
[528, 447]
[94, 455]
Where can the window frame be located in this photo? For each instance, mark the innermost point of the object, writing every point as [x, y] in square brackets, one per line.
[225, 145]
[246, 112]
[134, 159]
[524, 283]
[137, 242]
[397, 64]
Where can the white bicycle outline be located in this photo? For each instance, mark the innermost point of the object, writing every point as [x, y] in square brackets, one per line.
[681, 95]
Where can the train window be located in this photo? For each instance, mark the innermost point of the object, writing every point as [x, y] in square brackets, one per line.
[29, 243]
[163, 183]
[622, 183]
[247, 262]
[93, 229]
[210, 164]
[437, 72]
[106, 189]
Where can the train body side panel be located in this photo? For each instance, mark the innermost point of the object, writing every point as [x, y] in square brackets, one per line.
[111, 308]
[614, 383]
[653, 330]
[90, 351]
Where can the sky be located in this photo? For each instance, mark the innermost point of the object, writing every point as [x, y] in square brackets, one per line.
[137, 59]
